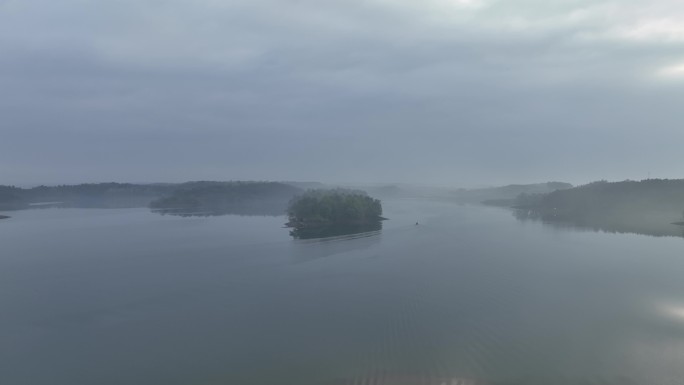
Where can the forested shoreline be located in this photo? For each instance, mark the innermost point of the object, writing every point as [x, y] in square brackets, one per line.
[652, 206]
[243, 196]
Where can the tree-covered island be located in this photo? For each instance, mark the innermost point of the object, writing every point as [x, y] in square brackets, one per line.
[333, 207]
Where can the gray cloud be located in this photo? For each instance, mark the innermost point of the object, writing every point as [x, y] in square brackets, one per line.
[440, 91]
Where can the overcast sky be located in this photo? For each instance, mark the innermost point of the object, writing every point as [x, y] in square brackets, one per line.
[448, 92]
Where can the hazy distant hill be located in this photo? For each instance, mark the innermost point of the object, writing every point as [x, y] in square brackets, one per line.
[128, 195]
[403, 190]
[107, 195]
[647, 207]
[307, 185]
[504, 195]
[98, 195]
[218, 198]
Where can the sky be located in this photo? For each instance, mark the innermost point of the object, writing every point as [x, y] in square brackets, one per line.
[444, 92]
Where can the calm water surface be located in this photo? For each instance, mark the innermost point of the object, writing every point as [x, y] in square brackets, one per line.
[471, 294]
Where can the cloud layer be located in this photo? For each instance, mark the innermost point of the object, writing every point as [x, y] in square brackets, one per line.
[450, 92]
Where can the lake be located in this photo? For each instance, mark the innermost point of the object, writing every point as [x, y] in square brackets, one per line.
[471, 295]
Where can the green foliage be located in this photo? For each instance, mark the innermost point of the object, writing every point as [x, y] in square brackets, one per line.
[11, 198]
[333, 207]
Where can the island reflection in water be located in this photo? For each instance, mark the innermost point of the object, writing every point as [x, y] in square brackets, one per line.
[335, 230]
[655, 224]
[316, 232]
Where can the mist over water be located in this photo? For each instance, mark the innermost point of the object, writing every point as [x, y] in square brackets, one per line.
[341, 192]
[470, 294]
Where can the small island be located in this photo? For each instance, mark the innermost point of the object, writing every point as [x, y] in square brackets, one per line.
[319, 213]
[4, 217]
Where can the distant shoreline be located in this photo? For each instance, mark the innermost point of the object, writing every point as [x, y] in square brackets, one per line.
[5, 217]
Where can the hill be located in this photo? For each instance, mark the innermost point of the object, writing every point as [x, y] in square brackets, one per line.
[219, 198]
[130, 195]
[505, 195]
[647, 207]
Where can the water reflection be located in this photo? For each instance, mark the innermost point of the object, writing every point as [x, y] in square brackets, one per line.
[469, 294]
[305, 250]
[655, 224]
[334, 230]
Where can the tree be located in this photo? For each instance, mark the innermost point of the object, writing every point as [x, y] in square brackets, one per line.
[321, 207]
